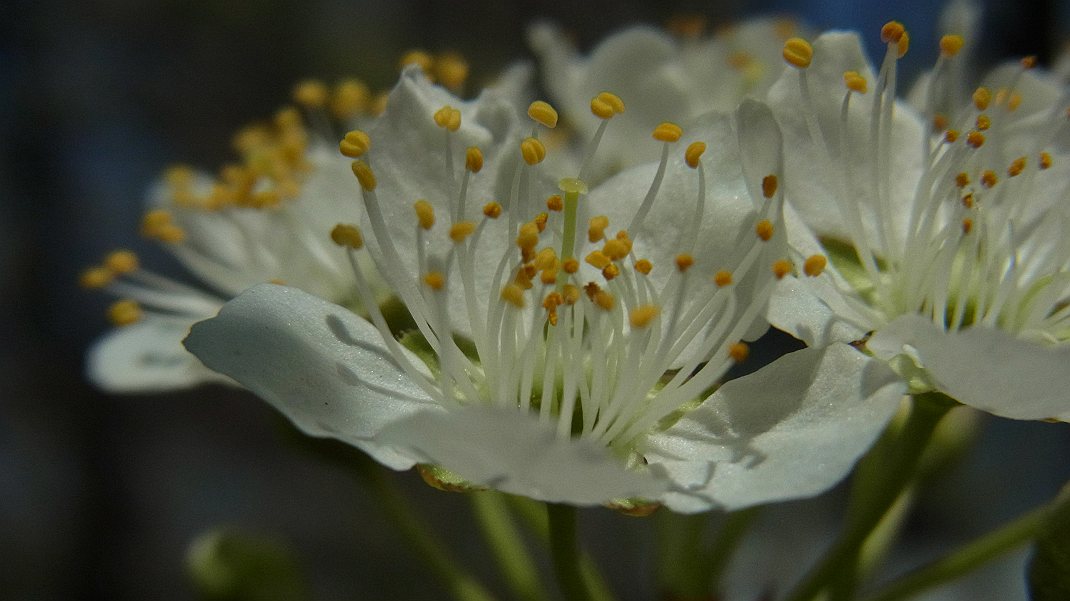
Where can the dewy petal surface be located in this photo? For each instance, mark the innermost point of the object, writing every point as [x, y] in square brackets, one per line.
[790, 430]
[318, 363]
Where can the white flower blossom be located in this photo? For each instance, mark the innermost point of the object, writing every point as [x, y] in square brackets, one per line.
[946, 230]
[568, 342]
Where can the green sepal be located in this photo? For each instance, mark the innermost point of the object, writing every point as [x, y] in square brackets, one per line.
[1049, 567]
[445, 480]
[227, 565]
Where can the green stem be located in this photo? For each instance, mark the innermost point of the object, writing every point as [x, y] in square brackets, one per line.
[568, 236]
[564, 550]
[879, 479]
[728, 540]
[966, 558]
[515, 563]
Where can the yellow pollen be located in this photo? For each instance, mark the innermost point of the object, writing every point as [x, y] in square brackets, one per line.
[989, 179]
[155, 219]
[96, 277]
[967, 225]
[814, 265]
[533, 151]
[473, 159]
[604, 300]
[528, 237]
[1014, 101]
[616, 249]
[612, 100]
[288, 118]
[855, 82]
[967, 201]
[277, 281]
[962, 179]
[606, 104]
[641, 316]
[571, 265]
[769, 185]
[451, 70]
[951, 136]
[416, 57]
[596, 228]
[950, 45]
[939, 122]
[347, 235]
[555, 203]
[492, 210]
[365, 175]
[781, 268]
[644, 266]
[610, 271]
[170, 234]
[461, 230]
[1045, 160]
[548, 276]
[514, 295]
[892, 32]
[178, 176]
[722, 278]
[552, 301]
[694, 153]
[124, 312]
[571, 294]
[667, 132]
[448, 118]
[545, 259]
[349, 99]
[983, 122]
[1017, 166]
[435, 280]
[524, 276]
[597, 259]
[981, 98]
[121, 262]
[311, 94]
[542, 113]
[684, 262]
[378, 106]
[764, 229]
[975, 139]
[1029, 62]
[739, 352]
[798, 52]
[903, 45]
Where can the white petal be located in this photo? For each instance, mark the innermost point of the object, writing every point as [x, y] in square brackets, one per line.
[985, 368]
[790, 430]
[513, 452]
[319, 364]
[146, 357]
[761, 147]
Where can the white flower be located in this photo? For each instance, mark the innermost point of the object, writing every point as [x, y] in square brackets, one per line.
[946, 230]
[557, 361]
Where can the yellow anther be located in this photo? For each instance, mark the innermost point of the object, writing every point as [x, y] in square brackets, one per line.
[355, 144]
[524, 275]
[939, 122]
[903, 45]
[554, 203]
[606, 104]
[96, 277]
[951, 136]
[686, 26]
[435, 280]
[892, 32]
[365, 175]
[265, 199]
[451, 70]
[492, 209]
[514, 295]
[644, 266]
[124, 312]
[170, 234]
[552, 301]
[1029, 62]
[1045, 160]
[1014, 101]
[473, 159]
[855, 82]
[347, 235]
[597, 259]
[769, 185]
[596, 228]
[722, 278]
[989, 179]
[616, 249]
[604, 300]
[571, 294]
[416, 57]
[975, 139]
[528, 237]
[814, 265]
[962, 179]
[461, 230]
[277, 281]
[641, 316]
[548, 276]
[981, 98]
[694, 153]
[781, 268]
[541, 112]
[121, 262]
[612, 100]
[684, 262]
[533, 151]
[739, 60]
[349, 99]
[798, 52]
[967, 225]
[610, 271]
[311, 94]
[764, 229]
[448, 118]
[1017, 166]
[983, 122]
[667, 132]
[967, 201]
[540, 221]
[571, 265]
[378, 105]
[179, 176]
[155, 219]
[950, 45]
[545, 259]
[739, 352]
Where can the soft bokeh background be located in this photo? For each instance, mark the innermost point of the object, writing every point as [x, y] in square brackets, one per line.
[100, 495]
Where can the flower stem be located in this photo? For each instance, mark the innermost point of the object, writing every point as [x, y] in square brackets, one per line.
[515, 563]
[564, 549]
[688, 566]
[966, 558]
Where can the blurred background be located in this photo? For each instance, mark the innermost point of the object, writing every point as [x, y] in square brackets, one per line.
[100, 495]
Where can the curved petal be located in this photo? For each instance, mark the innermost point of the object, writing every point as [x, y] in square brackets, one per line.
[985, 368]
[319, 364]
[792, 429]
[146, 357]
[512, 451]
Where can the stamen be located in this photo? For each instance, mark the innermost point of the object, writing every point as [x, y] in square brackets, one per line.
[555, 203]
[814, 265]
[640, 317]
[121, 262]
[950, 45]
[981, 98]
[435, 280]
[644, 266]
[533, 151]
[541, 112]
[1045, 160]
[596, 228]
[616, 249]
[461, 230]
[739, 352]
[124, 312]
[492, 210]
[1017, 166]
[311, 94]
[967, 225]
[798, 53]
[722, 278]
[694, 153]
[417, 57]
[855, 82]
[348, 236]
[355, 144]
[349, 99]
[764, 229]
[989, 179]
[514, 295]
[571, 265]
[684, 262]
[365, 175]
[451, 70]
[962, 179]
[425, 213]
[448, 118]
[769, 186]
[975, 139]
[781, 268]
[597, 259]
[604, 300]
[96, 277]
[983, 122]
[473, 159]
[667, 132]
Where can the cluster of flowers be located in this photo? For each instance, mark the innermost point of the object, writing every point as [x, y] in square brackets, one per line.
[466, 288]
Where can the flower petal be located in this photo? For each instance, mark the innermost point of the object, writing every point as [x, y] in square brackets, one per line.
[319, 364]
[514, 452]
[792, 429]
[985, 368]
